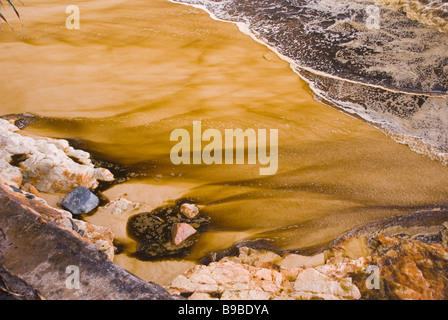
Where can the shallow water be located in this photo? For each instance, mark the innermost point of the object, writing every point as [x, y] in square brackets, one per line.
[137, 70]
[381, 60]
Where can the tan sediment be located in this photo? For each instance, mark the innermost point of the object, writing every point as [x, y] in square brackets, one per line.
[136, 70]
[431, 13]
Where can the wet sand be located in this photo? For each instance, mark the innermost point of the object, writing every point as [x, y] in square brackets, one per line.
[136, 70]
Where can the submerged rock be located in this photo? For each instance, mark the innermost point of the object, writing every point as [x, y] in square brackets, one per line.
[80, 201]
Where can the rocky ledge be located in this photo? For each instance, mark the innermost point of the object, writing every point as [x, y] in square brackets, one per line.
[50, 165]
[41, 246]
[395, 268]
[401, 258]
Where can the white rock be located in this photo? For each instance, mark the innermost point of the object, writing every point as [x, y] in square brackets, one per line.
[120, 205]
[48, 165]
[189, 210]
[295, 260]
[254, 275]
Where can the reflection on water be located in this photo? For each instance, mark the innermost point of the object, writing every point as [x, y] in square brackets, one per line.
[137, 70]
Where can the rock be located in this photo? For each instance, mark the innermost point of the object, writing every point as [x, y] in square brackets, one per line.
[189, 210]
[311, 281]
[153, 232]
[28, 187]
[80, 201]
[120, 205]
[412, 266]
[101, 237]
[11, 174]
[256, 274]
[45, 245]
[51, 165]
[413, 270]
[295, 260]
[180, 232]
[229, 280]
[406, 269]
[21, 123]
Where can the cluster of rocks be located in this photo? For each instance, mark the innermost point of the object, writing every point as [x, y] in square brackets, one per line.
[39, 243]
[31, 165]
[47, 240]
[402, 258]
[50, 165]
[393, 268]
[167, 231]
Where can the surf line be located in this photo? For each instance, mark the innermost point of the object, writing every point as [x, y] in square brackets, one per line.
[234, 140]
[243, 28]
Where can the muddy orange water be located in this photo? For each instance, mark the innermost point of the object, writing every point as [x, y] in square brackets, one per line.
[136, 70]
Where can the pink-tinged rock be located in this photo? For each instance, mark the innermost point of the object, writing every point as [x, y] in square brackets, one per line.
[11, 174]
[180, 232]
[312, 281]
[189, 210]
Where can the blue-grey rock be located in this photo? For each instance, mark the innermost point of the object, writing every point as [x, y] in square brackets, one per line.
[80, 201]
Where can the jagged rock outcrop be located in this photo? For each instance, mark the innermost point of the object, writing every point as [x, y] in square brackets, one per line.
[51, 165]
[413, 270]
[257, 275]
[387, 268]
[121, 204]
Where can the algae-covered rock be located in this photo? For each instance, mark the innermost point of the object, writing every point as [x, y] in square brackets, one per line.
[153, 232]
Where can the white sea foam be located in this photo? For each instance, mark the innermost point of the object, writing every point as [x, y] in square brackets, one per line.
[404, 105]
